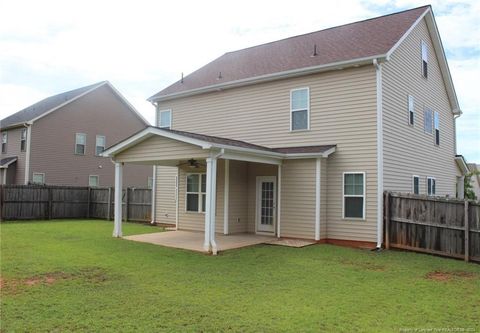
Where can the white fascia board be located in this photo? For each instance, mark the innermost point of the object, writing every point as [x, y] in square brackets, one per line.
[233, 155]
[67, 102]
[324, 154]
[462, 165]
[270, 77]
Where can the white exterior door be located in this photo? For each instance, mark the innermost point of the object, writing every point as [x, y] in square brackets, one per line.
[266, 204]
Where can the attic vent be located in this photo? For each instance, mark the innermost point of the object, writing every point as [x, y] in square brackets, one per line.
[314, 51]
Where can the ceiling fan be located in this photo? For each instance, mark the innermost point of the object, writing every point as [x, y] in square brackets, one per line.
[192, 164]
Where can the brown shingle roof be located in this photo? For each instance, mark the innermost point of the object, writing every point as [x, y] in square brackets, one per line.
[43, 106]
[242, 144]
[347, 42]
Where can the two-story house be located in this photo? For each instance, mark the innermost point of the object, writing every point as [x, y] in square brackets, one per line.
[59, 140]
[300, 137]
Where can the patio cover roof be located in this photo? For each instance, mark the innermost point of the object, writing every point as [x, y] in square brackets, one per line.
[5, 162]
[209, 142]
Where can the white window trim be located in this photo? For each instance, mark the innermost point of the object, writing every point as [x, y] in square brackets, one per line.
[413, 183]
[98, 180]
[293, 110]
[39, 174]
[411, 110]
[96, 144]
[159, 117]
[428, 192]
[422, 46]
[75, 147]
[199, 193]
[356, 195]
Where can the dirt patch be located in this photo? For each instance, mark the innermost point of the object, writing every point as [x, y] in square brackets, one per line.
[447, 276]
[364, 265]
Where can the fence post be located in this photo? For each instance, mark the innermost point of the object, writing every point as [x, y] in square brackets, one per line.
[387, 220]
[109, 203]
[126, 204]
[49, 204]
[88, 202]
[467, 233]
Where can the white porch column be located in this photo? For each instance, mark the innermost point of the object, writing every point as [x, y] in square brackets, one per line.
[210, 244]
[206, 243]
[317, 198]
[226, 193]
[279, 199]
[154, 194]
[117, 224]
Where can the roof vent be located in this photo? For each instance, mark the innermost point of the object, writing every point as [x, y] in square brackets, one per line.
[181, 79]
[314, 51]
[219, 76]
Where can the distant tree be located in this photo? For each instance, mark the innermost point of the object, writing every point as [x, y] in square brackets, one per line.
[468, 187]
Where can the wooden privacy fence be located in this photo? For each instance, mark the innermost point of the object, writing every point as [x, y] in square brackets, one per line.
[29, 202]
[443, 226]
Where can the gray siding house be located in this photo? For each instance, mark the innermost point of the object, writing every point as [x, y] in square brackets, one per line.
[300, 137]
[59, 140]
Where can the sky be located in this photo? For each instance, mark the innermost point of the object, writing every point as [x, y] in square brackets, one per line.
[48, 47]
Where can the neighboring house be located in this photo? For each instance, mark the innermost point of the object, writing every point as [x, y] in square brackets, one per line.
[300, 137]
[59, 139]
[475, 180]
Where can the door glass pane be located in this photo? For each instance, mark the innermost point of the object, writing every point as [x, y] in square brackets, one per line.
[267, 210]
[192, 183]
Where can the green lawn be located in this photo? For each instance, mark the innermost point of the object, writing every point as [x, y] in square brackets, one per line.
[73, 276]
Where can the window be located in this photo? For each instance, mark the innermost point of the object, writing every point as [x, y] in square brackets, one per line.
[196, 192]
[23, 139]
[38, 178]
[164, 118]
[411, 110]
[416, 184]
[431, 186]
[150, 182]
[80, 143]
[424, 59]
[299, 109]
[427, 126]
[354, 195]
[93, 181]
[99, 144]
[436, 124]
[4, 142]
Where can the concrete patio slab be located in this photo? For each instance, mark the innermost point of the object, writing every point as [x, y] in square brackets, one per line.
[290, 242]
[191, 240]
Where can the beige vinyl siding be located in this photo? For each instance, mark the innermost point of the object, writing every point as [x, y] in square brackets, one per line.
[409, 150]
[165, 207]
[255, 170]
[342, 112]
[156, 147]
[100, 112]
[13, 149]
[298, 199]
[238, 197]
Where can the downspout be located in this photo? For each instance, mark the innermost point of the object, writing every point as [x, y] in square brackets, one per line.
[27, 153]
[154, 180]
[378, 72]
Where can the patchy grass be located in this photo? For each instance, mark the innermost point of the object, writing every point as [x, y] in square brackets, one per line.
[73, 276]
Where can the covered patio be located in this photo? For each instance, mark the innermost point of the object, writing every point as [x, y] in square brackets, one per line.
[166, 147]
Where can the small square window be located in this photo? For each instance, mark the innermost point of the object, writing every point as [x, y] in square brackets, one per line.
[93, 181]
[38, 178]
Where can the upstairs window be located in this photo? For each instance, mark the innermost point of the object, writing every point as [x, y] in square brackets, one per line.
[99, 144]
[411, 110]
[416, 184]
[23, 139]
[299, 109]
[80, 143]
[196, 192]
[4, 142]
[431, 186]
[354, 195]
[424, 59]
[436, 124]
[164, 119]
[427, 119]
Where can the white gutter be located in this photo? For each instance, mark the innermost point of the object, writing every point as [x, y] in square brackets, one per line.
[378, 71]
[271, 77]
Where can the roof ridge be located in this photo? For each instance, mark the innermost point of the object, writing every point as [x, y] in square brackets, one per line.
[329, 28]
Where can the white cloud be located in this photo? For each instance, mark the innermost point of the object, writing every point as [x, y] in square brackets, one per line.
[143, 46]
